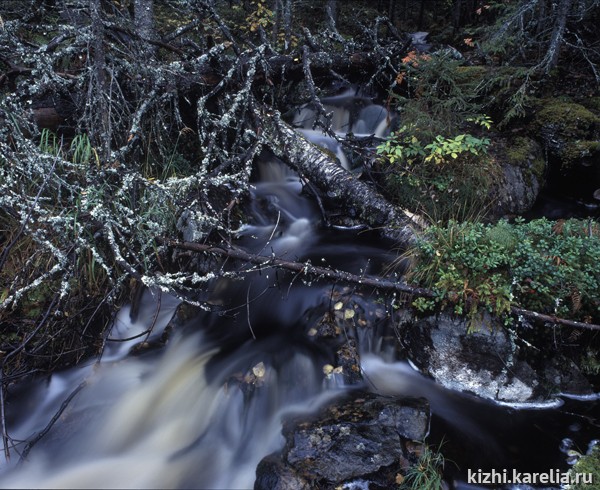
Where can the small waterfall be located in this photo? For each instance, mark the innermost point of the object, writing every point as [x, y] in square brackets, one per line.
[202, 412]
[350, 113]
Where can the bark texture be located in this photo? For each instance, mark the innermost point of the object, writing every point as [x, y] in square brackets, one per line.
[361, 199]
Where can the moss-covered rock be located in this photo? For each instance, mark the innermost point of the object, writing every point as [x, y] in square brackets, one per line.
[591, 103]
[523, 174]
[569, 130]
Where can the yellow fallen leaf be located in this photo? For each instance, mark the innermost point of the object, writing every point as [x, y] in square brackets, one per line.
[259, 370]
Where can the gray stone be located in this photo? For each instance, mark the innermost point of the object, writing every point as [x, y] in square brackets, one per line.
[486, 362]
[355, 438]
[274, 474]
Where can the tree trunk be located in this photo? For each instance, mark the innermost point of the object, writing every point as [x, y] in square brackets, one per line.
[392, 10]
[100, 120]
[560, 22]
[456, 14]
[421, 15]
[144, 22]
[276, 21]
[287, 24]
[331, 9]
[361, 199]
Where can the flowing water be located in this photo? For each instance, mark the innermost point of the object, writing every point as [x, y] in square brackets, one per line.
[203, 411]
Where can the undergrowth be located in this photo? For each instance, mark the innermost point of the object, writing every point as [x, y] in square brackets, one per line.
[544, 266]
[74, 233]
[438, 160]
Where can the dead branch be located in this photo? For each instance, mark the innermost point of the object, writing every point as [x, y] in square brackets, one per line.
[343, 276]
[52, 421]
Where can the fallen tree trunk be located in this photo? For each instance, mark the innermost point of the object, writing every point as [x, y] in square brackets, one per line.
[359, 198]
[347, 277]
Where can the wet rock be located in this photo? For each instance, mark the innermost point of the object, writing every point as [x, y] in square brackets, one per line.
[487, 361]
[568, 130]
[564, 376]
[361, 436]
[523, 169]
[347, 358]
[517, 190]
[274, 474]
[570, 134]
[475, 362]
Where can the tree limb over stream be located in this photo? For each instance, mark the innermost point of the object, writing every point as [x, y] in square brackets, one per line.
[384, 284]
[338, 184]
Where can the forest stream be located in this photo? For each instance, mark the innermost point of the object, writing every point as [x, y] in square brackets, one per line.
[203, 411]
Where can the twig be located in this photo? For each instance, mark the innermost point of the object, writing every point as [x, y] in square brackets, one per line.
[6, 251]
[248, 310]
[146, 332]
[5, 436]
[53, 420]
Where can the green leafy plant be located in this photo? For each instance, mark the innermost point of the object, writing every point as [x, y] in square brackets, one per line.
[539, 265]
[401, 146]
[482, 120]
[405, 147]
[442, 178]
[442, 148]
[587, 467]
[438, 160]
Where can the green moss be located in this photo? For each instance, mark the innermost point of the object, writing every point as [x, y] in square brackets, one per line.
[586, 465]
[568, 129]
[538, 168]
[520, 151]
[587, 148]
[525, 153]
[592, 103]
[576, 150]
[569, 119]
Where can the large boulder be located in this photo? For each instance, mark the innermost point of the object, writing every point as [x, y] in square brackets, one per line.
[484, 358]
[570, 135]
[364, 436]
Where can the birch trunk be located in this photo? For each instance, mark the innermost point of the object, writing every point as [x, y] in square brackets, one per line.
[358, 197]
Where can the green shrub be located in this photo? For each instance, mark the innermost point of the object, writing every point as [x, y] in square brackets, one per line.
[550, 267]
[438, 161]
[443, 178]
[588, 464]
